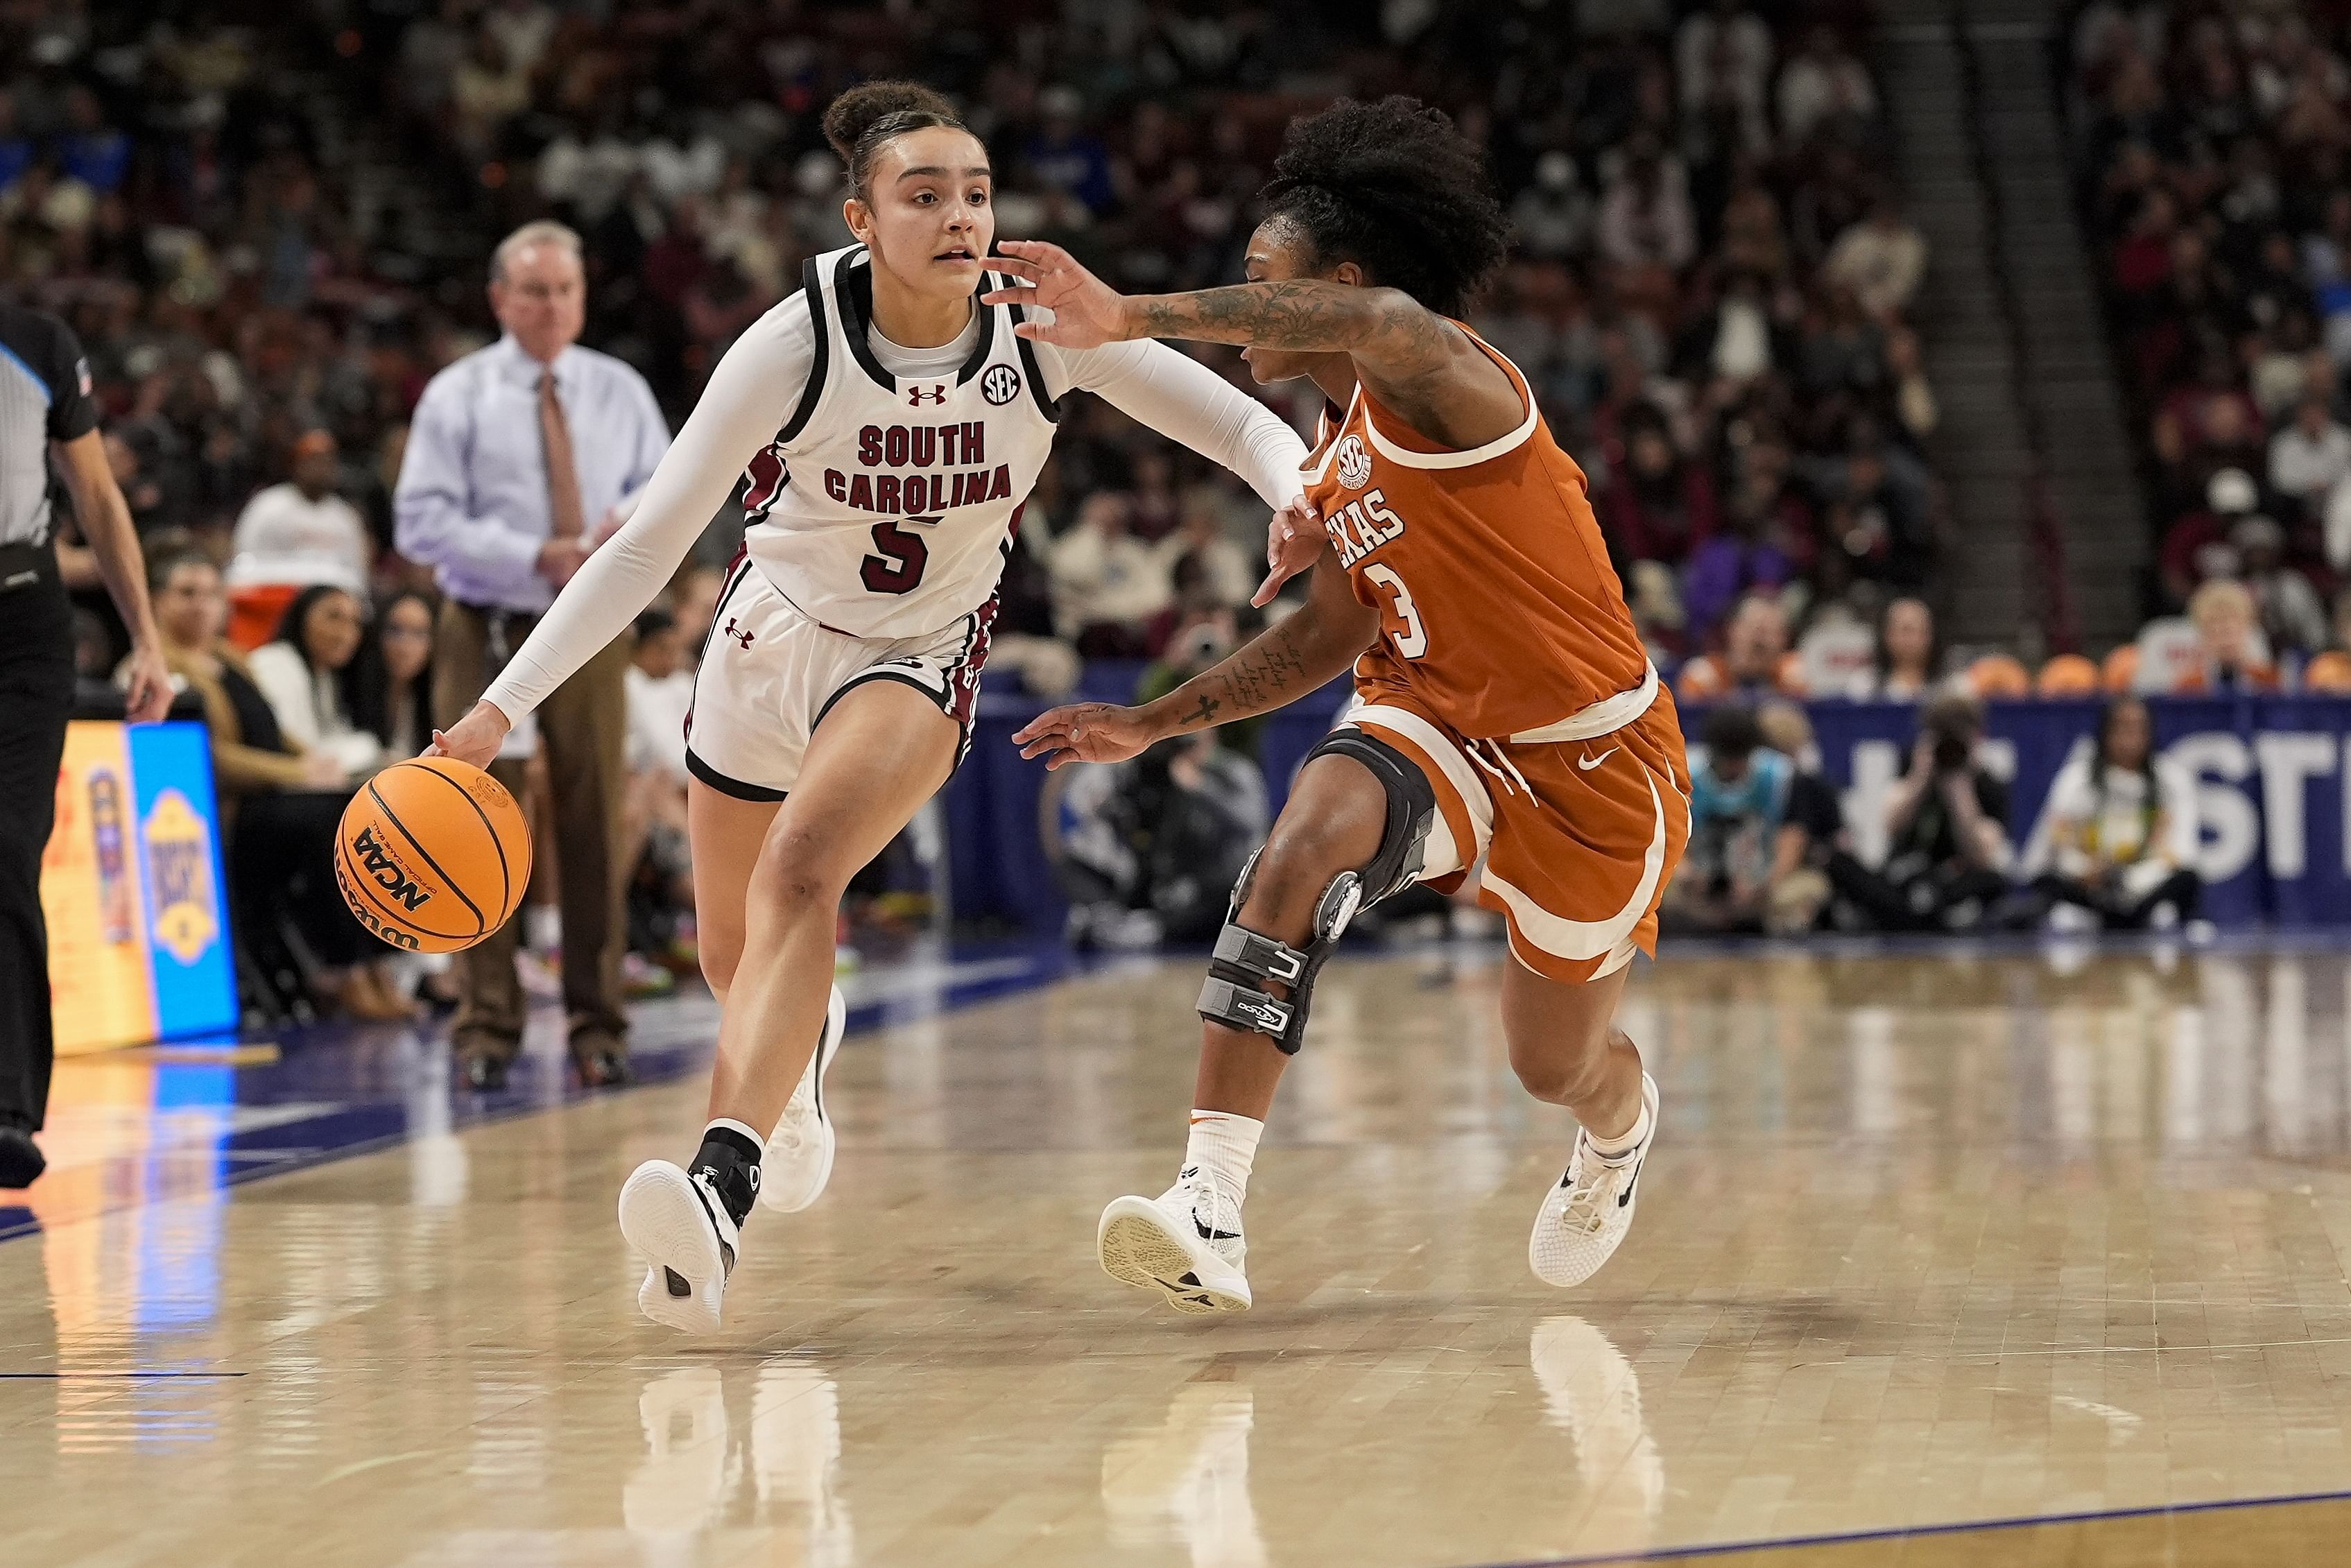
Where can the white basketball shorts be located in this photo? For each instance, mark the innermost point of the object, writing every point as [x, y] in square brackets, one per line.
[769, 675]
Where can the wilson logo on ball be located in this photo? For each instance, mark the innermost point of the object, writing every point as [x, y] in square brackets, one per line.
[386, 872]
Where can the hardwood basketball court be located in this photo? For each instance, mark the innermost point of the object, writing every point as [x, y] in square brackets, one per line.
[2029, 1258]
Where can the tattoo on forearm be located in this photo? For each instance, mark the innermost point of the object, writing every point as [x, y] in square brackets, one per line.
[1304, 314]
[1265, 675]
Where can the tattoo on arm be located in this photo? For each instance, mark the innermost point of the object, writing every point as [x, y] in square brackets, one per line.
[1302, 314]
[1270, 670]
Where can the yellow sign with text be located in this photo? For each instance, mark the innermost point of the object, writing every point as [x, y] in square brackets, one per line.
[101, 993]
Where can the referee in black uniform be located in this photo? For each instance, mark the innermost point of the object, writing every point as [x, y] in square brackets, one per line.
[45, 405]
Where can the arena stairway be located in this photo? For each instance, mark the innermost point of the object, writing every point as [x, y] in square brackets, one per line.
[2015, 342]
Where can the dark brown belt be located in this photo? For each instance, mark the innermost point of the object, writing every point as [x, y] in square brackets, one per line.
[505, 630]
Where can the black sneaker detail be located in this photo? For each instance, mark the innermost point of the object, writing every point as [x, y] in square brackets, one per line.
[817, 1084]
[675, 1282]
[1624, 1199]
[1207, 1234]
[726, 1253]
[731, 1162]
[1189, 1277]
[1188, 1173]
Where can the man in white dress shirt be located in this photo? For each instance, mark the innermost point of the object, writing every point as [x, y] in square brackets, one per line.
[521, 458]
[300, 533]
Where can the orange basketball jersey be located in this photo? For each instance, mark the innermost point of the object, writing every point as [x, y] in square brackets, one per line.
[1497, 602]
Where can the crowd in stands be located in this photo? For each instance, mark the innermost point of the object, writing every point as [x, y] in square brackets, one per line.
[269, 238]
[2213, 160]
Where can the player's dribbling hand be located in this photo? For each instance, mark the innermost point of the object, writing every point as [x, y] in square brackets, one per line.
[1083, 732]
[1294, 541]
[474, 738]
[1087, 312]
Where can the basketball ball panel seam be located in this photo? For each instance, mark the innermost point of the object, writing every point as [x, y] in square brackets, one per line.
[497, 842]
[482, 925]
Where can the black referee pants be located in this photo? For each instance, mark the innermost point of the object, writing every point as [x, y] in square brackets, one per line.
[36, 694]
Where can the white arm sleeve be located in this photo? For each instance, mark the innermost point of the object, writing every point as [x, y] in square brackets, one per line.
[750, 396]
[1183, 399]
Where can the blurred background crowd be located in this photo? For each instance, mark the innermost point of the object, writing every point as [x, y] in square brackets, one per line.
[269, 223]
[2213, 160]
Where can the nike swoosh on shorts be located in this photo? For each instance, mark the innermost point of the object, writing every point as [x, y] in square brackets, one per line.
[1586, 764]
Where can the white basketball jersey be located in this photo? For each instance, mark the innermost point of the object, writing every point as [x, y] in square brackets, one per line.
[884, 508]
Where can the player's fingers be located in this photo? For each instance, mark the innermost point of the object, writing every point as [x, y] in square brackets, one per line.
[440, 747]
[1043, 743]
[1011, 294]
[1037, 253]
[1014, 263]
[1045, 723]
[1269, 588]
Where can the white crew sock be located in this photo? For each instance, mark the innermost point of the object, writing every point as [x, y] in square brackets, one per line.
[1224, 1146]
[1615, 1150]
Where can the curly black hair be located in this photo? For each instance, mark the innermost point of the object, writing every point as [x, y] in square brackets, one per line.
[860, 120]
[1395, 188]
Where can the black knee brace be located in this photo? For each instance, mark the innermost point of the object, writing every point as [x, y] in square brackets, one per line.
[1245, 961]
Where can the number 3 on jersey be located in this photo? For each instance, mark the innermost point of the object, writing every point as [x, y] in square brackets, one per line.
[1412, 641]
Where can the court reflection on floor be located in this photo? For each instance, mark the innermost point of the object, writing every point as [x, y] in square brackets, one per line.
[1929, 1241]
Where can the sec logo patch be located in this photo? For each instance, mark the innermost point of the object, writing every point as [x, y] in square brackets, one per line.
[1354, 463]
[1000, 384]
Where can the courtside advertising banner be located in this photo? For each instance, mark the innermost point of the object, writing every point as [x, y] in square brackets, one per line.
[133, 889]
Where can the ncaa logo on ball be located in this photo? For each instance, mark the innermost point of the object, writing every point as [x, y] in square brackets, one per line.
[387, 873]
[1354, 463]
[1000, 385]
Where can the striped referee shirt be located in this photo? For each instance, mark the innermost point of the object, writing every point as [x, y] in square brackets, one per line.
[43, 397]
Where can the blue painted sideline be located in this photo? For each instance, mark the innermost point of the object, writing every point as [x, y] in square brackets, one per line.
[1909, 1531]
[338, 1069]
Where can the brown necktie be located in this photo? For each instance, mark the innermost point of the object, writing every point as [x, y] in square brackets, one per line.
[564, 518]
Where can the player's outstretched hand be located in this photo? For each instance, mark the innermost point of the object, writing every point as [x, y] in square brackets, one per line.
[474, 738]
[1087, 312]
[1294, 541]
[1085, 732]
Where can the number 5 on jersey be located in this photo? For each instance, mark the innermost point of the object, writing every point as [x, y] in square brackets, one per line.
[903, 557]
[1411, 642]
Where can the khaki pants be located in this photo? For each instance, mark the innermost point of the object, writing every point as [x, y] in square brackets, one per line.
[583, 730]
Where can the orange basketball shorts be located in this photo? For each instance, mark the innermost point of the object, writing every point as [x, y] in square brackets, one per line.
[1579, 837]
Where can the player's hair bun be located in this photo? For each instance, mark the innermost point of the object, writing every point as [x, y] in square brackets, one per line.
[860, 119]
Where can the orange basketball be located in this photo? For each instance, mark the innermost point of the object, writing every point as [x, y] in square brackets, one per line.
[2067, 675]
[433, 854]
[2330, 672]
[2120, 672]
[1999, 676]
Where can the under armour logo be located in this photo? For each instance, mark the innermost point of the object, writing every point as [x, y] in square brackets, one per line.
[739, 635]
[916, 395]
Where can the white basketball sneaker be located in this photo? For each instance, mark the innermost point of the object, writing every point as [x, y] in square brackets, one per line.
[1586, 1215]
[797, 1160]
[1186, 1244]
[678, 1225]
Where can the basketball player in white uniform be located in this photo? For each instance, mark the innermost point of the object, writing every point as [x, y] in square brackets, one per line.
[891, 425]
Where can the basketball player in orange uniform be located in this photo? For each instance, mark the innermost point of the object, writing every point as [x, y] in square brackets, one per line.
[1507, 709]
